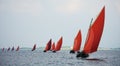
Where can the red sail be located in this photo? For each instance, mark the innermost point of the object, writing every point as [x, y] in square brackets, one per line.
[77, 42]
[17, 48]
[3, 49]
[12, 49]
[53, 47]
[34, 47]
[89, 41]
[48, 45]
[8, 49]
[95, 33]
[59, 44]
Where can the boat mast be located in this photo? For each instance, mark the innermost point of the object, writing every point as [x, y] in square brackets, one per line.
[88, 30]
[91, 22]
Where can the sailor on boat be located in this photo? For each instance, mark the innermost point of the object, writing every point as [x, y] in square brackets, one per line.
[72, 51]
[82, 55]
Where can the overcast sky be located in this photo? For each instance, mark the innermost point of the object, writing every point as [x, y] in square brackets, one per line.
[29, 22]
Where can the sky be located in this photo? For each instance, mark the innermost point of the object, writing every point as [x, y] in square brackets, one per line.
[27, 22]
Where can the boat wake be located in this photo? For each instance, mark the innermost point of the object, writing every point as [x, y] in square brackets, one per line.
[94, 59]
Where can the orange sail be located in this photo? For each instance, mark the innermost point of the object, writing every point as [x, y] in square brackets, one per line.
[59, 44]
[34, 47]
[95, 33]
[17, 48]
[77, 42]
[48, 45]
[53, 46]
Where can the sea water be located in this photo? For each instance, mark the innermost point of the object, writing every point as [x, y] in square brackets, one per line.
[60, 58]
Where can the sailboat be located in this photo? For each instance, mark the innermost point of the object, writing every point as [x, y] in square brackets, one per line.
[34, 47]
[17, 48]
[58, 45]
[53, 46]
[8, 49]
[48, 46]
[94, 35]
[3, 49]
[12, 49]
[77, 43]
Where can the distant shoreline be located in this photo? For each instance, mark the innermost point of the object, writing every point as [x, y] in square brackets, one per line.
[68, 48]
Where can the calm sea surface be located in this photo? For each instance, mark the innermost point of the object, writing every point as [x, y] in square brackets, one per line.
[60, 58]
